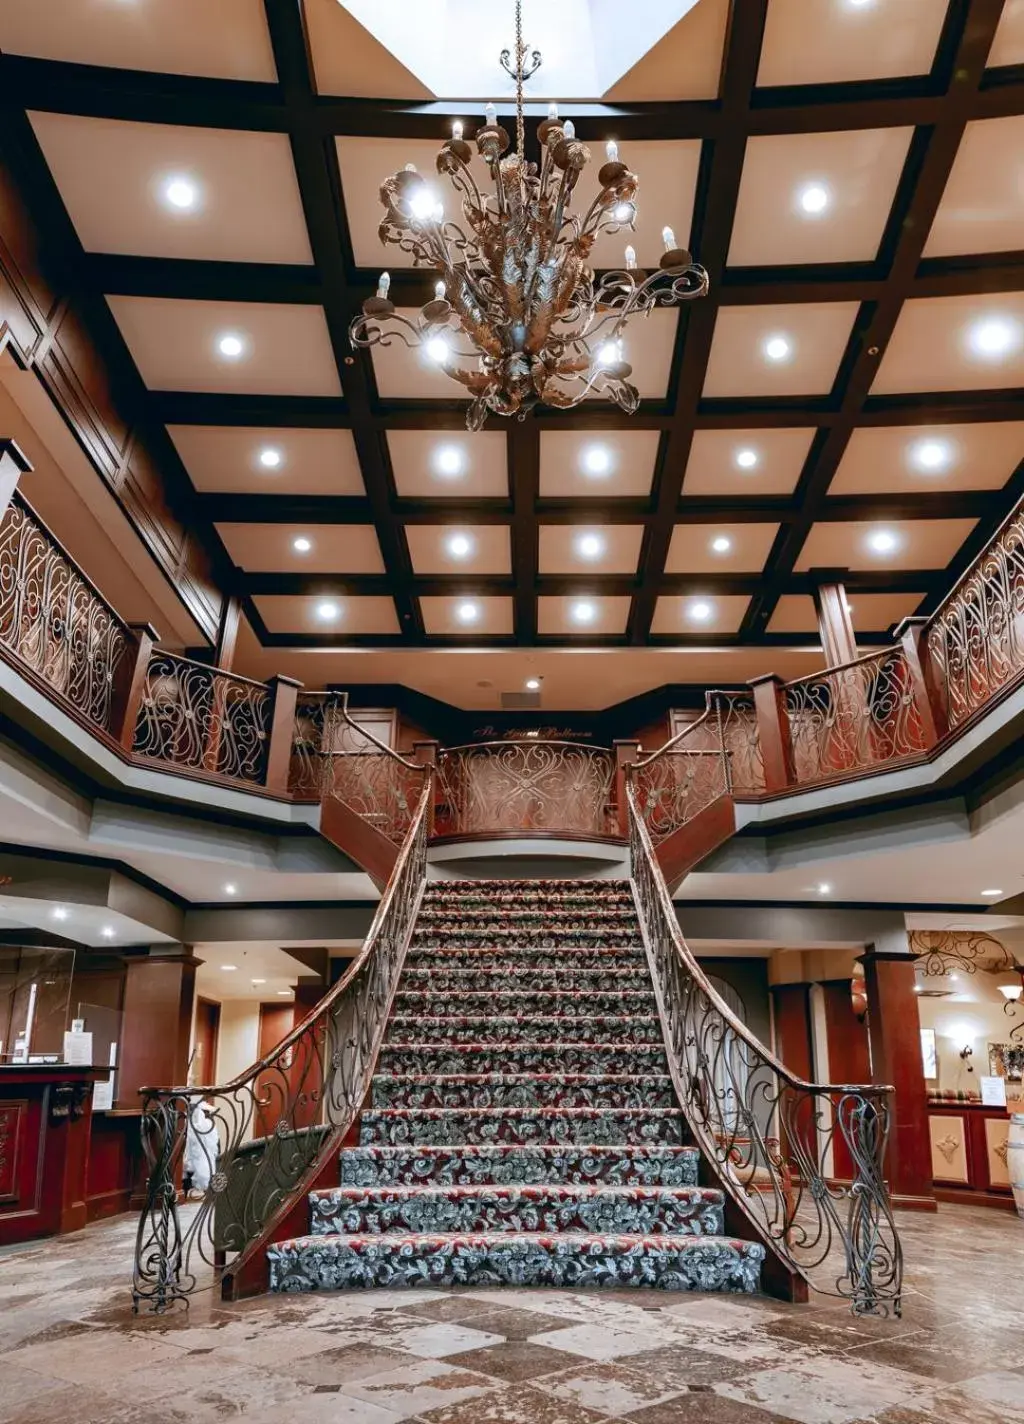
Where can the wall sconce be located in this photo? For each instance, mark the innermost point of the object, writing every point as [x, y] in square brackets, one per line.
[967, 1052]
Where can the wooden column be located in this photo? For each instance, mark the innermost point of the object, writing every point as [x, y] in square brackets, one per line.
[425, 754]
[158, 996]
[834, 623]
[227, 634]
[792, 1006]
[281, 735]
[13, 464]
[773, 731]
[626, 753]
[924, 684]
[130, 686]
[895, 1038]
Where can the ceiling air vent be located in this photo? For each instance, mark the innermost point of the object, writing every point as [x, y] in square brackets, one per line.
[520, 701]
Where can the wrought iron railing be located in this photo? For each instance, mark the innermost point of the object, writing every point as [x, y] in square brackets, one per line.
[975, 640]
[257, 1143]
[55, 623]
[372, 779]
[526, 786]
[306, 766]
[851, 719]
[691, 771]
[803, 1161]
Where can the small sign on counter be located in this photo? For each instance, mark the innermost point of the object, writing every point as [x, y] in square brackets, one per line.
[993, 1092]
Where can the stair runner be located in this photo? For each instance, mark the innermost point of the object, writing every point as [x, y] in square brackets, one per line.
[522, 1126]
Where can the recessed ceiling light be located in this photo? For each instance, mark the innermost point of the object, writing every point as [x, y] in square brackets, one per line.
[930, 454]
[597, 459]
[991, 894]
[813, 199]
[230, 889]
[883, 541]
[583, 611]
[467, 612]
[449, 461]
[590, 546]
[59, 912]
[994, 337]
[327, 612]
[228, 968]
[108, 931]
[746, 458]
[459, 546]
[917, 988]
[532, 684]
[285, 993]
[258, 981]
[230, 345]
[180, 193]
[721, 544]
[824, 888]
[301, 544]
[698, 611]
[778, 348]
[438, 350]
[271, 458]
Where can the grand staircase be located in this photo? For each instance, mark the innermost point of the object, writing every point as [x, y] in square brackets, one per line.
[522, 1126]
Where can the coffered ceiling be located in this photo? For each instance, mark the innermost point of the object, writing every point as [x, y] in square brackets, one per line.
[849, 396]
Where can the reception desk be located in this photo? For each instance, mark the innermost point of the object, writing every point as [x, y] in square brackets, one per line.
[968, 1144]
[45, 1137]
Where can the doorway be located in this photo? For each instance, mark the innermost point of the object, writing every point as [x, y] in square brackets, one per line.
[203, 1070]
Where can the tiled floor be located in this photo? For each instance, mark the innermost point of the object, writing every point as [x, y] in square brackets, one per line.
[71, 1349]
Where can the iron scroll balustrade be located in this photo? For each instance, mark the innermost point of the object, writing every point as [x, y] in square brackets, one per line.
[54, 622]
[525, 786]
[803, 1161]
[691, 771]
[371, 778]
[261, 1139]
[198, 718]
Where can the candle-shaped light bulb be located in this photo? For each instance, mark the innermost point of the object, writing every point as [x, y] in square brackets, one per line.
[668, 237]
[438, 212]
[383, 283]
[611, 149]
[570, 128]
[630, 258]
[439, 290]
[410, 168]
[552, 111]
[491, 115]
[457, 130]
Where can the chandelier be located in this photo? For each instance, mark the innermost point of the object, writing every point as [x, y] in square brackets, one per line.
[518, 316]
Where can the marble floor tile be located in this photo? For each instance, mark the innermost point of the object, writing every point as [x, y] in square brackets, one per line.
[998, 1395]
[515, 1404]
[516, 1324]
[614, 1389]
[340, 1364]
[515, 1360]
[419, 1386]
[98, 1358]
[705, 1409]
[830, 1391]
[599, 1341]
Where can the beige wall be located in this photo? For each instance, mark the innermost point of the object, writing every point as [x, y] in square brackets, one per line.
[238, 1044]
[972, 1013]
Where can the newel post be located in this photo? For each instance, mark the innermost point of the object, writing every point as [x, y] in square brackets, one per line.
[284, 692]
[130, 685]
[626, 754]
[425, 754]
[13, 464]
[924, 687]
[773, 731]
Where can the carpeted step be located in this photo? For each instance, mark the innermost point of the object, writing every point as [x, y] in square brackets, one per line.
[521, 1090]
[559, 1003]
[524, 892]
[705, 1263]
[634, 1211]
[502, 975]
[653, 1164]
[593, 1059]
[537, 1028]
[553, 934]
[524, 957]
[452, 1126]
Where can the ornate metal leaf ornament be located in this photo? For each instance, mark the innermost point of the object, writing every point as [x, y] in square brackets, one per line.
[518, 315]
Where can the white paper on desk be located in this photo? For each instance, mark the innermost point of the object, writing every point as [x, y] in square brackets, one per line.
[78, 1049]
[113, 1055]
[103, 1094]
[993, 1092]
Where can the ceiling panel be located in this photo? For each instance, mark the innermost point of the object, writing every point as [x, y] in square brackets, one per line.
[1008, 45]
[590, 548]
[242, 459]
[459, 548]
[161, 190]
[598, 464]
[439, 464]
[916, 544]
[348, 60]
[667, 171]
[449, 616]
[283, 349]
[333, 548]
[746, 462]
[883, 459]
[818, 197]
[982, 207]
[328, 613]
[227, 40]
[699, 613]
[686, 64]
[809, 337]
[955, 344]
[836, 41]
[722, 548]
[869, 612]
[564, 616]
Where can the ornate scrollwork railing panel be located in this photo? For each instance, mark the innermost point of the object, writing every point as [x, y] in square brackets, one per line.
[526, 786]
[306, 767]
[736, 714]
[201, 719]
[853, 718]
[259, 1140]
[372, 779]
[804, 1161]
[54, 622]
[680, 779]
[976, 639]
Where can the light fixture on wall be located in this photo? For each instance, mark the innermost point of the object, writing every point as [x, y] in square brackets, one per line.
[966, 1053]
[517, 315]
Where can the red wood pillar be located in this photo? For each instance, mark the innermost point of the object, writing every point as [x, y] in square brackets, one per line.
[924, 685]
[13, 464]
[626, 753]
[792, 1006]
[895, 1038]
[130, 686]
[773, 731]
[159, 993]
[227, 634]
[425, 754]
[834, 623]
[284, 692]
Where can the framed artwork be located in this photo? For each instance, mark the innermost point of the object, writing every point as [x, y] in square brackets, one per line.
[929, 1055]
[1006, 1060]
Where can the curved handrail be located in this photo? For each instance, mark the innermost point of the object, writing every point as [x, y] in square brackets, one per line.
[268, 1132]
[526, 786]
[780, 1145]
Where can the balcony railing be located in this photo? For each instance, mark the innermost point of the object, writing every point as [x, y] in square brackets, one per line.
[525, 787]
